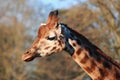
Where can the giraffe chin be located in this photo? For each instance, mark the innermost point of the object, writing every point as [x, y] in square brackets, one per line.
[28, 58]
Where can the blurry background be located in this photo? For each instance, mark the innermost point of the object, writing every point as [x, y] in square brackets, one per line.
[98, 20]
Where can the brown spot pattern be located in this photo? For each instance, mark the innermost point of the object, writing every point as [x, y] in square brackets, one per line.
[91, 68]
[47, 47]
[53, 48]
[60, 43]
[88, 69]
[84, 60]
[79, 51]
[103, 73]
[58, 49]
[93, 65]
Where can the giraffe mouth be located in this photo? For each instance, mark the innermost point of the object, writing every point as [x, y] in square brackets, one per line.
[27, 57]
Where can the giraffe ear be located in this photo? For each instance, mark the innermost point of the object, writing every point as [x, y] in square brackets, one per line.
[53, 18]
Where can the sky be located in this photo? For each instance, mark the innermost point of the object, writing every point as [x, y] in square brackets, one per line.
[41, 10]
[51, 5]
[58, 4]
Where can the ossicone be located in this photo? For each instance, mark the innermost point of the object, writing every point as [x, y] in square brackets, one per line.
[53, 17]
[55, 13]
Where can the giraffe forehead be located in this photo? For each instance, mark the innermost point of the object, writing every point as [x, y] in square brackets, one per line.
[43, 31]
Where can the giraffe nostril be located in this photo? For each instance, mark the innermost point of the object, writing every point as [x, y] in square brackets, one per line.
[27, 52]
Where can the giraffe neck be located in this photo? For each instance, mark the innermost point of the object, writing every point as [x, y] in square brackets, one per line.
[91, 59]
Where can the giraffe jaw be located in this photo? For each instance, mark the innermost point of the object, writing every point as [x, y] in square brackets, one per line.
[27, 57]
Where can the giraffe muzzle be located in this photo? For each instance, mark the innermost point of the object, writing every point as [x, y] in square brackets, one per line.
[29, 56]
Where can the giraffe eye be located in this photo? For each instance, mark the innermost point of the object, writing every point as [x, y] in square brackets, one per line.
[51, 38]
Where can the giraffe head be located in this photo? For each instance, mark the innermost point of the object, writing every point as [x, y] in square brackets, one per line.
[49, 39]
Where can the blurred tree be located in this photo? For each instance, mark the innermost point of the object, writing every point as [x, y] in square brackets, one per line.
[12, 42]
[109, 22]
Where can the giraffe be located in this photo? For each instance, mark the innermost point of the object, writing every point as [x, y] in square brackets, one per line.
[54, 37]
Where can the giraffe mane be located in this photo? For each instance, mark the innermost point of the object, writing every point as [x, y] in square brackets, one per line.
[90, 46]
[108, 58]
